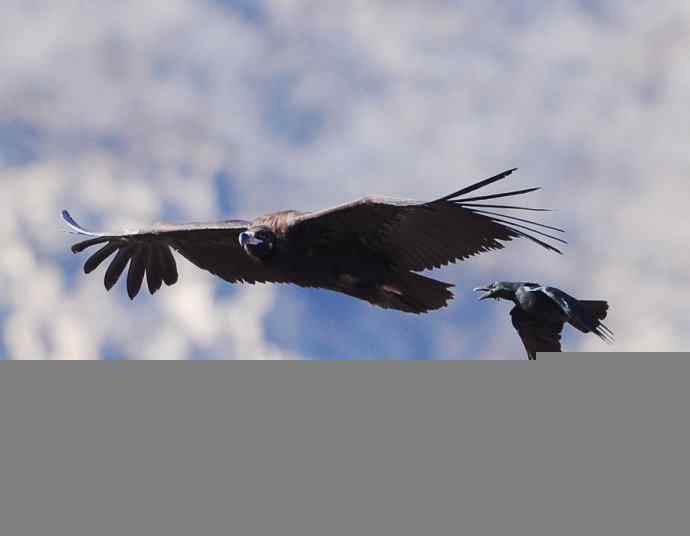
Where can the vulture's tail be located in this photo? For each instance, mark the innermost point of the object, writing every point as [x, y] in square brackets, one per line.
[405, 291]
[414, 293]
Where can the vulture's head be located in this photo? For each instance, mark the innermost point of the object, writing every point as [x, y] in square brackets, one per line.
[258, 242]
[498, 290]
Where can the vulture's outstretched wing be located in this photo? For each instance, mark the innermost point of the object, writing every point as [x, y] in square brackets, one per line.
[418, 236]
[537, 335]
[585, 316]
[211, 246]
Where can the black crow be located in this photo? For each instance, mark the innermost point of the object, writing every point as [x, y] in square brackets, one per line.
[368, 249]
[540, 312]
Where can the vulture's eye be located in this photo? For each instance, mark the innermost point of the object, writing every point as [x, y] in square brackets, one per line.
[265, 236]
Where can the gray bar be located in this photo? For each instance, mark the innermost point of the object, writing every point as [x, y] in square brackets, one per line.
[569, 444]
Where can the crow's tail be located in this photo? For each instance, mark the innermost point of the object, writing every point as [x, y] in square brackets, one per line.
[590, 315]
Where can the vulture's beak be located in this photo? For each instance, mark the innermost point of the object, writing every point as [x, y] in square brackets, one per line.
[247, 238]
[488, 292]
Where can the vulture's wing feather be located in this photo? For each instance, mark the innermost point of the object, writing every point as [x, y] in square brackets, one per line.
[211, 246]
[537, 335]
[418, 236]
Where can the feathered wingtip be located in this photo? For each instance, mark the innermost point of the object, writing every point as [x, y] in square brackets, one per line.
[478, 185]
[155, 261]
[517, 225]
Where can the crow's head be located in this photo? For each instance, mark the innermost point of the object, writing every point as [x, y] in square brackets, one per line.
[498, 290]
[258, 242]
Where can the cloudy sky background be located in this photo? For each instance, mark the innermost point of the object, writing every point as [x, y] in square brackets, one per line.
[132, 112]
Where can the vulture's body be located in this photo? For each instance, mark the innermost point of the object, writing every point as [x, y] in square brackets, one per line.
[540, 312]
[368, 249]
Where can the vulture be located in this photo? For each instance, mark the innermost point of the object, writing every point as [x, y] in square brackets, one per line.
[368, 249]
[540, 313]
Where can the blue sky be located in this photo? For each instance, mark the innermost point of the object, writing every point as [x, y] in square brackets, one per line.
[129, 113]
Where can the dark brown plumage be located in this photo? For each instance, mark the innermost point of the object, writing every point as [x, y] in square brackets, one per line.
[368, 249]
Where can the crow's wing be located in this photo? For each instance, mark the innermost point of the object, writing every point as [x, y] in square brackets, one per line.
[412, 235]
[213, 247]
[579, 314]
[537, 335]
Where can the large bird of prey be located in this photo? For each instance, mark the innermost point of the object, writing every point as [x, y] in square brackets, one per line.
[540, 313]
[368, 249]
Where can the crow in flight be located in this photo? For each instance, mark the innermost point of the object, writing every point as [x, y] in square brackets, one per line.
[540, 312]
[368, 249]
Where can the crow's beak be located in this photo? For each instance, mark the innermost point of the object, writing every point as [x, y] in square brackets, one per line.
[248, 238]
[488, 292]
